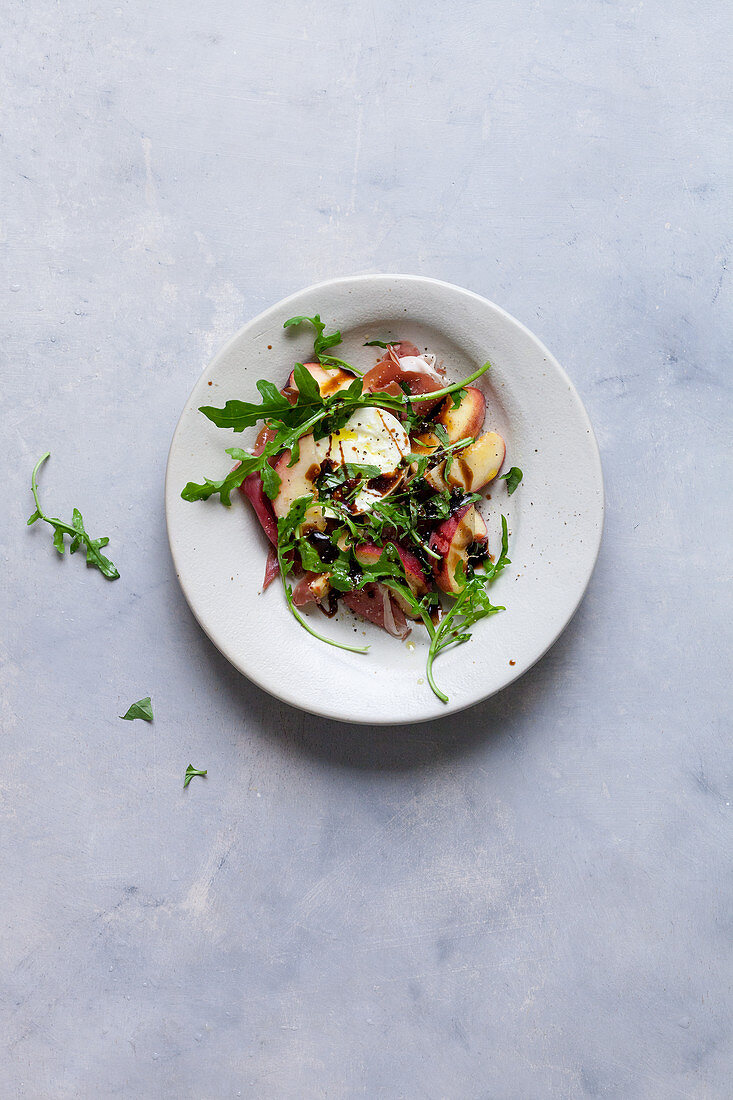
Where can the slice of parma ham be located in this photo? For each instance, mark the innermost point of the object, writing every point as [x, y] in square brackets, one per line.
[253, 490]
[374, 602]
[418, 373]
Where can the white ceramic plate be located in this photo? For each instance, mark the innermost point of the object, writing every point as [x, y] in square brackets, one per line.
[555, 516]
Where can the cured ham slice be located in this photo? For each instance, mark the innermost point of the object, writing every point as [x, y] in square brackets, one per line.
[272, 568]
[417, 372]
[252, 488]
[374, 602]
[312, 588]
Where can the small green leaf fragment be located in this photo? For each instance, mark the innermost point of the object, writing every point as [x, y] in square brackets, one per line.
[58, 540]
[513, 477]
[191, 772]
[142, 709]
[270, 481]
[32, 519]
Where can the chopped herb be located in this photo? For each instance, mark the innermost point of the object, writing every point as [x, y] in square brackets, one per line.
[191, 772]
[75, 530]
[142, 709]
[380, 344]
[512, 478]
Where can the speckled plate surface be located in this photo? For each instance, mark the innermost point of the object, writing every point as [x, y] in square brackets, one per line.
[555, 521]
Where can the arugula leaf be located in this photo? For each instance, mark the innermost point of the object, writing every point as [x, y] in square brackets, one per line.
[361, 469]
[493, 571]
[295, 422]
[421, 461]
[270, 481]
[239, 415]
[513, 477]
[301, 318]
[310, 413]
[78, 524]
[142, 709]
[310, 559]
[75, 530]
[379, 344]
[321, 343]
[353, 391]
[348, 471]
[457, 388]
[442, 433]
[389, 564]
[247, 464]
[306, 383]
[191, 772]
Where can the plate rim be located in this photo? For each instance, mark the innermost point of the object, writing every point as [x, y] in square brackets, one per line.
[290, 698]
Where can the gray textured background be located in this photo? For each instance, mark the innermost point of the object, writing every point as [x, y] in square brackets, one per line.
[528, 900]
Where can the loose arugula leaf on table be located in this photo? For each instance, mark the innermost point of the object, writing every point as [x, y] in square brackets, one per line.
[191, 772]
[142, 709]
[513, 477]
[76, 531]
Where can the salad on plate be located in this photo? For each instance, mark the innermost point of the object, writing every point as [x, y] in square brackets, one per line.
[367, 487]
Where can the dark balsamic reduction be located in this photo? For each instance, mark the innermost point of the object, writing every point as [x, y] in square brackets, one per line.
[323, 546]
[477, 552]
[457, 500]
[331, 606]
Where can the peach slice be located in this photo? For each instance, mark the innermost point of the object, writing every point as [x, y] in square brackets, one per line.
[464, 422]
[298, 481]
[451, 540]
[435, 478]
[329, 381]
[478, 463]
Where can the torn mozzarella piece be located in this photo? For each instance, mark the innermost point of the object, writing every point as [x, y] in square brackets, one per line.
[421, 364]
[370, 437]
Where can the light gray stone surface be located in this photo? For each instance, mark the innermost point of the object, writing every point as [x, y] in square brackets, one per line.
[530, 899]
